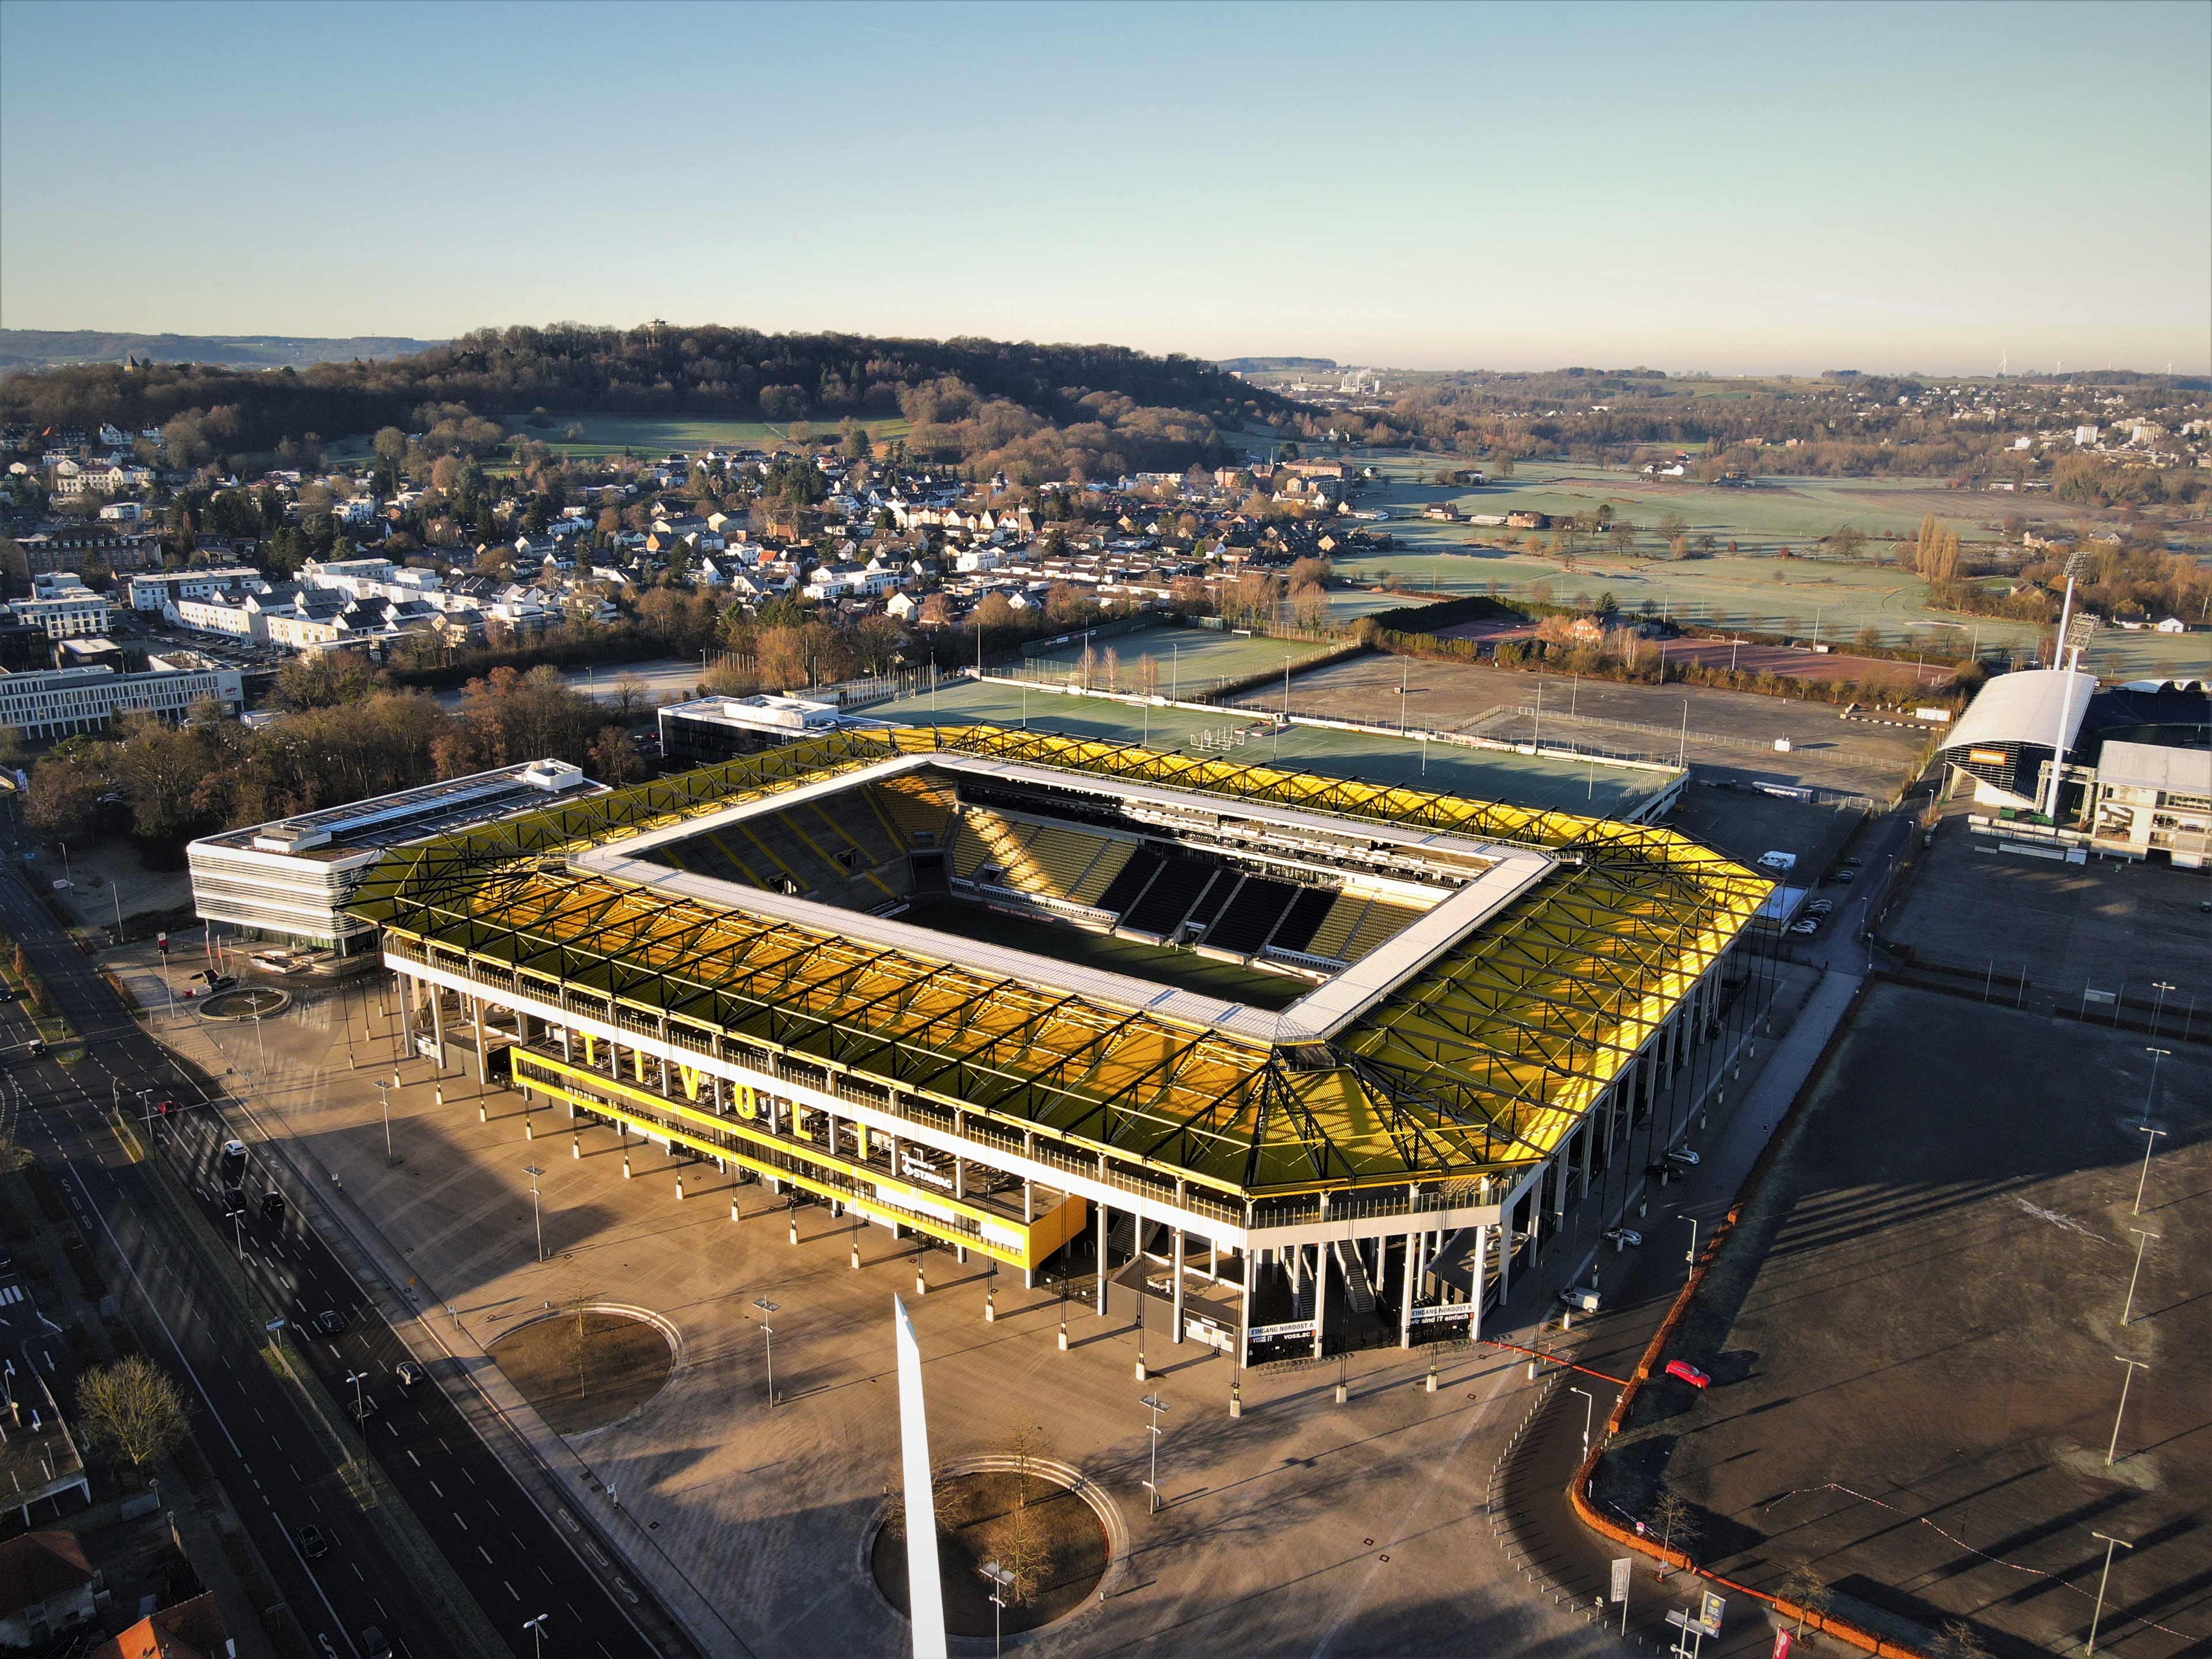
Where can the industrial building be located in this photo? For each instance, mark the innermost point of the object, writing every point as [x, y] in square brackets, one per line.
[291, 880]
[1300, 1062]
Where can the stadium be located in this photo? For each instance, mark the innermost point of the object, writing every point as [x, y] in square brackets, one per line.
[1303, 1063]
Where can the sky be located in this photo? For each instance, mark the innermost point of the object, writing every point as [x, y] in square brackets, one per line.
[1730, 188]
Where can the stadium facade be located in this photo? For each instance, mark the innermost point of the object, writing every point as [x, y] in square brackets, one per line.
[1300, 1062]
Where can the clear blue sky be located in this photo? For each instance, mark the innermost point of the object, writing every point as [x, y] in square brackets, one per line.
[1724, 187]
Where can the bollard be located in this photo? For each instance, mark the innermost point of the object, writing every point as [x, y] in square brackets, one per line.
[1235, 1399]
[529, 1132]
[679, 1185]
[483, 1113]
[626, 1169]
[576, 1147]
[856, 1255]
[1063, 1336]
[1339, 1393]
[920, 1284]
[1431, 1387]
[1140, 1371]
[733, 1209]
[795, 1230]
[990, 1307]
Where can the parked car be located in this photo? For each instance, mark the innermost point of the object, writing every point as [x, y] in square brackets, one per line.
[315, 1546]
[1846, 878]
[1685, 1156]
[1688, 1373]
[1806, 928]
[1819, 907]
[1625, 1238]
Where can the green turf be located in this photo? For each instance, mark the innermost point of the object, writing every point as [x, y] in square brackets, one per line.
[1185, 970]
[1479, 774]
[1193, 662]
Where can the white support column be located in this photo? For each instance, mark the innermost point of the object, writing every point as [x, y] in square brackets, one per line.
[438, 1024]
[1481, 1274]
[1405, 1296]
[1104, 1227]
[1029, 1216]
[1589, 1128]
[1178, 1283]
[1320, 1296]
[1504, 1254]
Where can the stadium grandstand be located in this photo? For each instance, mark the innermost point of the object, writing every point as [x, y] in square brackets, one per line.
[1310, 1062]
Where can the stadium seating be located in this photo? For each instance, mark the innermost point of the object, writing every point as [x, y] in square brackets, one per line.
[1134, 876]
[920, 809]
[1305, 915]
[1216, 896]
[1251, 915]
[1336, 928]
[1382, 921]
[1113, 858]
[1169, 896]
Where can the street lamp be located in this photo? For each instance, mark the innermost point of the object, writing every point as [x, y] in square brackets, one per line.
[1589, 1405]
[536, 1211]
[768, 1343]
[2127, 1314]
[1691, 1254]
[1001, 1581]
[1155, 1405]
[384, 1104]
[2133, 1365]
[360, 1404]
[2162, 987]
[536, 1629]
[2150, 1140]
[2097, 1617]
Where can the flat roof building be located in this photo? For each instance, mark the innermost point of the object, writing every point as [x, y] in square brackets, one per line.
[64, 702]
[710, 729]
[292, 878]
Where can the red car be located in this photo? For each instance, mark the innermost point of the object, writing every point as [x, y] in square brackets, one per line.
[1689, 1373]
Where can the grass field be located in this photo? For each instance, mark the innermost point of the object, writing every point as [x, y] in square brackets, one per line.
[1192, 661]
[1478, 774]
[1752, 588]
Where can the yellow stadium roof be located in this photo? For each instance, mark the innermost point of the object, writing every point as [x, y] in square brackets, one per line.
[1480, 1062]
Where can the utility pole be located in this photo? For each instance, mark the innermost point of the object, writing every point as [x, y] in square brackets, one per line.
[2150, 1140]
[768, 1342]
[536, 1212]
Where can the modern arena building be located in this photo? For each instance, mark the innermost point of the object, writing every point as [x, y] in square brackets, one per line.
[1301, 1062]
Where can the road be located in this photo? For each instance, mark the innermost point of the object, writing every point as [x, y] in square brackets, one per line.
[283, 1471]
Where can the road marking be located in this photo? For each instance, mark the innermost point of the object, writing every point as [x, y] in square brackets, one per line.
[510, 1589]
[486, 1554]
[462, 1524]
[434, 1485]
[415, 1461]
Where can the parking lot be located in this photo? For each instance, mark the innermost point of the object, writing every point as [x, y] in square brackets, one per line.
[1915, 1338]
[2044, 931]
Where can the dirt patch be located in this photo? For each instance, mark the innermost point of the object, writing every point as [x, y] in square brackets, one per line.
[982, 1517]
[585, 1370]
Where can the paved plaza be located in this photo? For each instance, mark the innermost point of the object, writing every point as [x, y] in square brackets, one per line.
[1305, 1527]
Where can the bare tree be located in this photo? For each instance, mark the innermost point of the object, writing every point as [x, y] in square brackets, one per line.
[1804, 1585]
[132, 1411]
[1676, 1520]
[1958, 1641]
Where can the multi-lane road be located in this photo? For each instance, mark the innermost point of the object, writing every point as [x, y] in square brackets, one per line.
[284, 1470]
